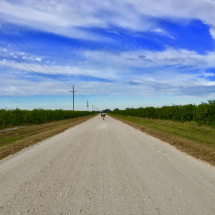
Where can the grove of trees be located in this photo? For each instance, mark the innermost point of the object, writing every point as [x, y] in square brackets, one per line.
[203, 113]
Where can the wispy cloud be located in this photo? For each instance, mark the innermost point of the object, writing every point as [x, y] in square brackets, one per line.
[168, 72]
[70, 18]
[148, 47]
[162, 32]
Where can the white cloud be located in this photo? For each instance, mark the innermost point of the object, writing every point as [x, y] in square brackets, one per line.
[151, 78]
[212, 31]
[162, 32]
[67, 21]
[13, 86]
[148, 73]
[3, 62]
[21, 53]
[114, 65]
[38, 59]
[21, 57]
[209, 74]
[16, 87]
[68, 18]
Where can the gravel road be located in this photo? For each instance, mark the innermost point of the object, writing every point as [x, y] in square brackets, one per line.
[105, 167]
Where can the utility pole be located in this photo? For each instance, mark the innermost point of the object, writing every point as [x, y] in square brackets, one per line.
[92, 107]
[87, 105]
[73, 97]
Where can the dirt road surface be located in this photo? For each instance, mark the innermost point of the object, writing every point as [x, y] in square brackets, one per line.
[105, 167]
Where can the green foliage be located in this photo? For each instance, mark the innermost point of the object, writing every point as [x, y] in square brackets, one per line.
[17, 117]
[106, 111]
[202, 114]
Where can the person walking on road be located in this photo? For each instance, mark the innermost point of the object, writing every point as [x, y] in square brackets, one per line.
[103, 115]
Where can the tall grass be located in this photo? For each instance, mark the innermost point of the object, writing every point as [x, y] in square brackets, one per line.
[17, 117]
[202, 114]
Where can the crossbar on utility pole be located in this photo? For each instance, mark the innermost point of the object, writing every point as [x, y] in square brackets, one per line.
[73, 97]
[87, 105]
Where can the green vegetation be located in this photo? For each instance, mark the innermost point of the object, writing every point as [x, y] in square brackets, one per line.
[12, 141]
[17, 117]
[198, 141]
[106, 111]
[202, 114]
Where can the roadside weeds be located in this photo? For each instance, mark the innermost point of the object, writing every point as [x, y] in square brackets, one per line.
[197, 141]
[13, 141]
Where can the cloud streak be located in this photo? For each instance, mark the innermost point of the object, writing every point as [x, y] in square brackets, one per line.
[168, 72]
[148, 47]
[71, 18]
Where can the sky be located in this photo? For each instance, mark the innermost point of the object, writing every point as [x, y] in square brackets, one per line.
[117, 54]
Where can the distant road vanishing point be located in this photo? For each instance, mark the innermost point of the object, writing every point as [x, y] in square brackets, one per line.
[105, 167]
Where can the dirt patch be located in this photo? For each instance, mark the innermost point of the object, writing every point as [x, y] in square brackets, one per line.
[10, 129]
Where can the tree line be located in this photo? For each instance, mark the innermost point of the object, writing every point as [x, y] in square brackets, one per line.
[203, 113]
[9, 118]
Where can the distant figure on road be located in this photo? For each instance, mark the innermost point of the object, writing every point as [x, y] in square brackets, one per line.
[103, 115]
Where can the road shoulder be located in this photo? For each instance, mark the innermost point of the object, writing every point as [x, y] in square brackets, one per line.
[202, 148]
[13, 141]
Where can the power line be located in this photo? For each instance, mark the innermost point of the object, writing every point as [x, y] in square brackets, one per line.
[21, 47]
[38, 73]
[31, 51]
[32, 70]
[61, 82]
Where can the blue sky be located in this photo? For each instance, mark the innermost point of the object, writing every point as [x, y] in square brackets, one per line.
[117, 54]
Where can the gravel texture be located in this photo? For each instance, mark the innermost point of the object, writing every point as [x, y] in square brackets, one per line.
[105, 167]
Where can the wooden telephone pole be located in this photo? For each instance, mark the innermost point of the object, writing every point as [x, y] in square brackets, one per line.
[87, 105]
[73, 97]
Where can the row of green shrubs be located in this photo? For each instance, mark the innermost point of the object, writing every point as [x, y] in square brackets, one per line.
[9, 118]
[202, 114]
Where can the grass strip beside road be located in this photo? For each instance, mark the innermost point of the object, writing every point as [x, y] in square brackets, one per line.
[15, 140]
[197, 141]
